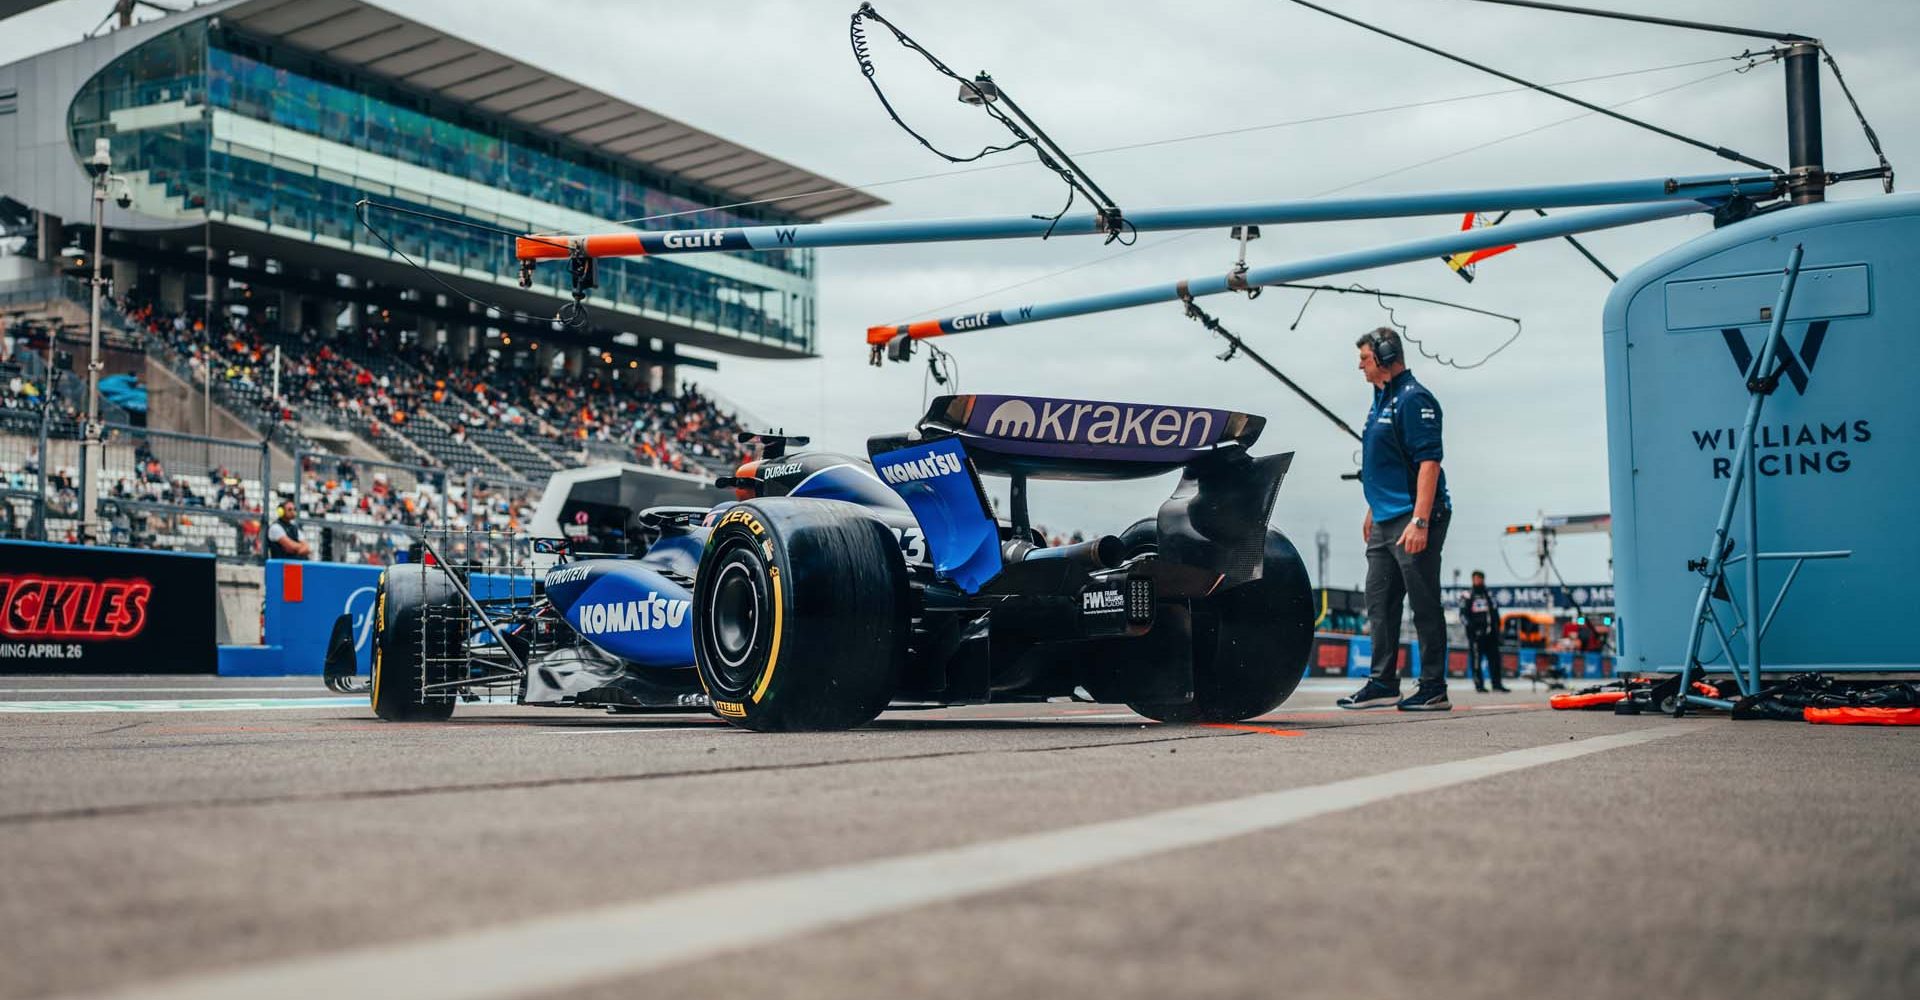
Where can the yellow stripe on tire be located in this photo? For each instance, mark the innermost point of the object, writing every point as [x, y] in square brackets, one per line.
[380, 628]
[773, 658]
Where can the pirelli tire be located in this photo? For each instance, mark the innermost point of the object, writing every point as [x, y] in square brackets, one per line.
[404, 641]
[1251, 644]
[800, 615]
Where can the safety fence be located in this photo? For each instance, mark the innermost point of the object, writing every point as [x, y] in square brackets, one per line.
[371, 512]
[219, 496]
[183, 492]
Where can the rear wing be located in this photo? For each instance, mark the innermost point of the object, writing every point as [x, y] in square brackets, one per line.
[1215, 521]
[1047, 438]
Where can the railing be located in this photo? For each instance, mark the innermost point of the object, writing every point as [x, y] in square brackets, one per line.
[158, 489]
[30, 290]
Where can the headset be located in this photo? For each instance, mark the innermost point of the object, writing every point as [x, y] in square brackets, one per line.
[1385, 344]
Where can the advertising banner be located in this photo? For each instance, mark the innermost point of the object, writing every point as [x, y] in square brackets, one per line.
[67, 609]
[1539, 597]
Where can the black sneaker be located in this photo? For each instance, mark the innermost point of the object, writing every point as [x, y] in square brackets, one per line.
[1426, 699]
[1373, 695]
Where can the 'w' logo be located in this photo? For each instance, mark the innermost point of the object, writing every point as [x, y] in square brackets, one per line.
[1797, 370]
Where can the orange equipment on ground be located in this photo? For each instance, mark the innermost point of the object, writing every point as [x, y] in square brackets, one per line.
[1594, 699]
[1864, 716]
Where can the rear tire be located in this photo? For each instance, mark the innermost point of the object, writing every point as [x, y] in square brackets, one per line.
[1251, 644]
[402, 646]
[800, 615]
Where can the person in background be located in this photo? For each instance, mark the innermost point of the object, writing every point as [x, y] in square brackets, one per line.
[1482, 618]
[284, 535]
[1406, 524]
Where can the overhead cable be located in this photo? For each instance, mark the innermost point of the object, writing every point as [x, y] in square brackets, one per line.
[1720, 151]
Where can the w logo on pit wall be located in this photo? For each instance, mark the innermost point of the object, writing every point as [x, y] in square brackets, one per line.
[1797, 369]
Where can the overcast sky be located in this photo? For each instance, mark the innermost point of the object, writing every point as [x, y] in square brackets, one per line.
[1524, 434]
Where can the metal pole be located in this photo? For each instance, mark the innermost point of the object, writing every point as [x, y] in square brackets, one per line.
[1717, 552]
[299, 486]
[50, 393]
[266, 493]
[1753, 568]
[1358, 260]
[206, 320]
[1807, 177]
[844, 234]
[90, 460]
[1042, 135]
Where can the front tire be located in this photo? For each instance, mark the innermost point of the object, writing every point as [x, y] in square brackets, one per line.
[800, 615]
[1251, 643]
[404, 640]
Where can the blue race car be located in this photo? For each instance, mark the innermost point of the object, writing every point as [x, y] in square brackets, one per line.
[837, 586]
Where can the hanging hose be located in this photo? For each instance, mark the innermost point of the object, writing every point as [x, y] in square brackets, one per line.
[984, 93]
[1234, 343]
[1380, 297]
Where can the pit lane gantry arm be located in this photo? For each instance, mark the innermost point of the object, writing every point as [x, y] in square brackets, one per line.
[881, 338]
[648, 243]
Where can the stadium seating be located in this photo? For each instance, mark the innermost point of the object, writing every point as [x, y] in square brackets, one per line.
[422, 407]
[498, 432]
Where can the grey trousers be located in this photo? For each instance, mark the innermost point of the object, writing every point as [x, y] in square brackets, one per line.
[1395, 578]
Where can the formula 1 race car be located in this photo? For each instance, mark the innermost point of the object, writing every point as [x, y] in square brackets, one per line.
[835, 587]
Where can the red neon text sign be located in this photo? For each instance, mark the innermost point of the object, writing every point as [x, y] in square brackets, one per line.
[44, 607]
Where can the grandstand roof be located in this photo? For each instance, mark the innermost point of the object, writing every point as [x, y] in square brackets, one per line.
[8, 8]
[424, 58]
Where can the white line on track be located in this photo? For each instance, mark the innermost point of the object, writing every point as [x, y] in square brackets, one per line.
[546, 955]
[180, 705]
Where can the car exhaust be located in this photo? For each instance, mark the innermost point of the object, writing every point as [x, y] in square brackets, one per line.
[1104, 552]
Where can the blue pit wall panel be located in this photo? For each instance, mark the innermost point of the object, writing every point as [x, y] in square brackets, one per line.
[303, 599]
[1839, 440]
[1338, 654]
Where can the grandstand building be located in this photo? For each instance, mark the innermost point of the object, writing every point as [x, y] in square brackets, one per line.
[249, 130]
[256, 125]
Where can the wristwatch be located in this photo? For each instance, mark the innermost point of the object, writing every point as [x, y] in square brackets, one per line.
[1421, 523]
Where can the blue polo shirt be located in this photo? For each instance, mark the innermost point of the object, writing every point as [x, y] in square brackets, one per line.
[1403, 430]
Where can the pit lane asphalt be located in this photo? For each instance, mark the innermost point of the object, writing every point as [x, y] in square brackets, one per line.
[1754, 859]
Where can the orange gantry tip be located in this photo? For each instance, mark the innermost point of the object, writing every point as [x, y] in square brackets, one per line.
[918, 331]
[561, 247]
[539, 248]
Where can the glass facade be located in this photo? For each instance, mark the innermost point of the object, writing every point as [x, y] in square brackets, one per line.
[168, 72]
[163, 105]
